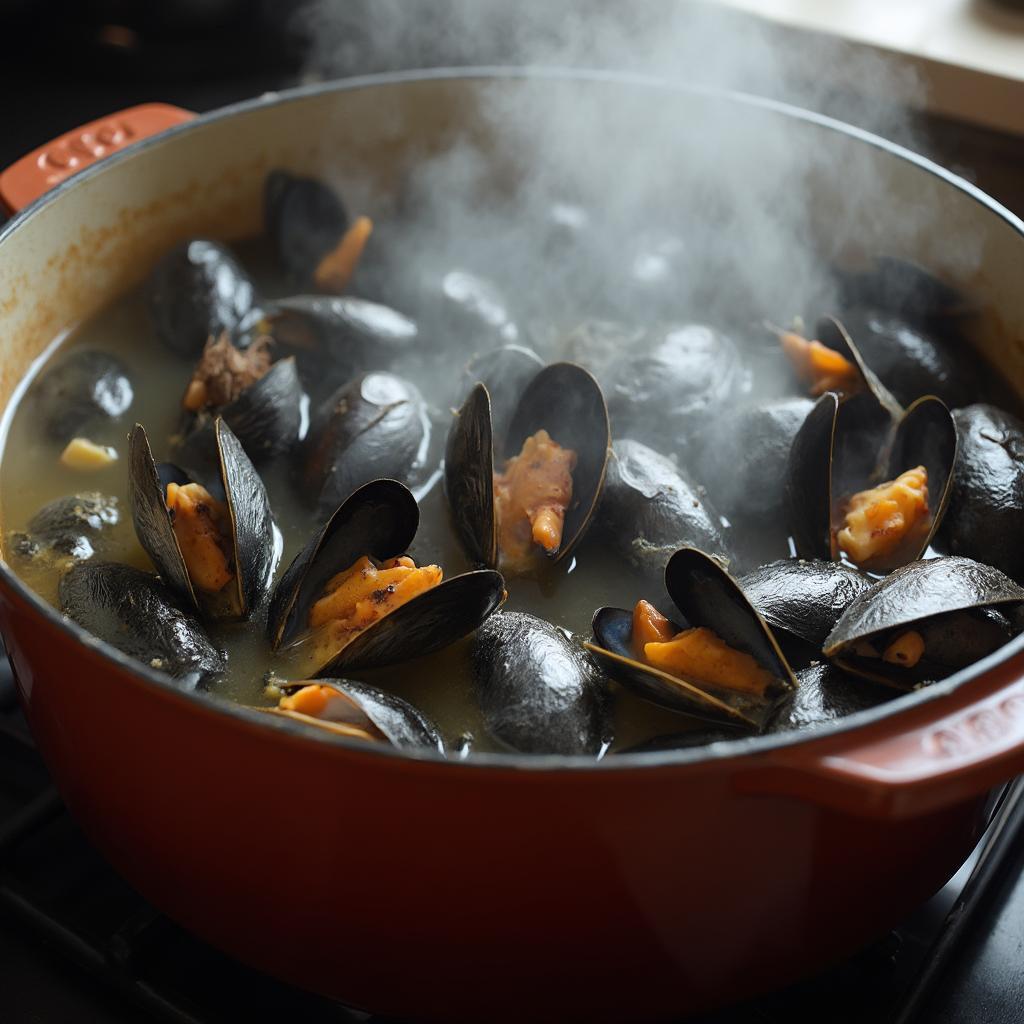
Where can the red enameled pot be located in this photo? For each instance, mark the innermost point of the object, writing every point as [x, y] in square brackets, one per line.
[501, 888]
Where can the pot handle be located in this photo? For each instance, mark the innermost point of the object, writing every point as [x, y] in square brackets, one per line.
[50, 164]
[938, 754]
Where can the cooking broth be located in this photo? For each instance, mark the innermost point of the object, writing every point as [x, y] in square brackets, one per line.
[31, 475]
[565, 594]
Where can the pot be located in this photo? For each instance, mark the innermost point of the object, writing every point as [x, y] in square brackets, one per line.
[641, 887]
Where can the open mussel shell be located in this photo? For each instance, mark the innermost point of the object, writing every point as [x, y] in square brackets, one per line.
[707, 596]
[265, 418]
[253, 554]
[832, 333]
[847, 446]
[134, 612]
[804, 597]
[563, 399]
[369, 713]
[946, 600]
[380, 519]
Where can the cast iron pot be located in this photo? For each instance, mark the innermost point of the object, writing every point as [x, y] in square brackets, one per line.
[645, 886]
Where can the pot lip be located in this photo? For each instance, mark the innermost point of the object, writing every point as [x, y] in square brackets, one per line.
[497, 762]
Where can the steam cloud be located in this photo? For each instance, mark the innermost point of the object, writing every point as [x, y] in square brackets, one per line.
[622, 210]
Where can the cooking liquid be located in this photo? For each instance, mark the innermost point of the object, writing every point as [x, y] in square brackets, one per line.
[566, 594]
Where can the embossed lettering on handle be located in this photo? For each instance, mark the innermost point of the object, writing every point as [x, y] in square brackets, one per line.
[937, 754]
[49, 165]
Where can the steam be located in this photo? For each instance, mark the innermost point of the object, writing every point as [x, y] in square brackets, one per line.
[620, 208]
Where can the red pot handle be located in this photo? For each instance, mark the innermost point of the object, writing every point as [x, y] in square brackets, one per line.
[40, 170]
[933, 756]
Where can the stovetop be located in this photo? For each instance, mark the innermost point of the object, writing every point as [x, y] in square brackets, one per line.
[77, 944]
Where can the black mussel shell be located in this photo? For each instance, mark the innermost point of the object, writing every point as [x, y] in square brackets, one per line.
[912, 359]
[742, 462]
[562, 399]
[845, 447]
[808, 487]
[75, 527]
[908, 289]
[375, 426]
[305, 219]
[336, 337]
[379, 713]
[679, 378]
[83, 390]
[832, 333]
[985, 518]
[707, 596]
[539, 692]
[198, 291]
[265, 417]
[804, 597]
[649, 509]
[929, 597]
[566, 401]
[469, 478]
[134, 612]
[254, 553]
[613, 650]
[469, 310]
[505, 372]
[825, 693]
[380, 519]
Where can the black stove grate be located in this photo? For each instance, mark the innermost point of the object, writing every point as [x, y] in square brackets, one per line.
[57, 888]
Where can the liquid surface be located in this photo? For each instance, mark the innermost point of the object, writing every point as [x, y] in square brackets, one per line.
[31, 475]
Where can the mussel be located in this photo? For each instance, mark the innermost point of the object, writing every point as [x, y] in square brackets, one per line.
[85, 389]
[833, 362]
[538, 690]
[334, 337]
[257, 393]
[597, 345]
[925, 621]
[134, 612]
[726, 666]
[505, 372]
[650, 509]
[317, 243]
[74, 527]
[352, 600]
[375, 426]
[985, 518]
[912, 359]
[901, 286]
[856, 486]
[359, 711]
[556, 450]
[466, 309]
[199, 291]
[217, 551]
[669, 386]
[825, 693]
[804, 597]
[742, 461]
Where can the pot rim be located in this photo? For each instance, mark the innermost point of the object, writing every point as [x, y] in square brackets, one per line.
[247, 717]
